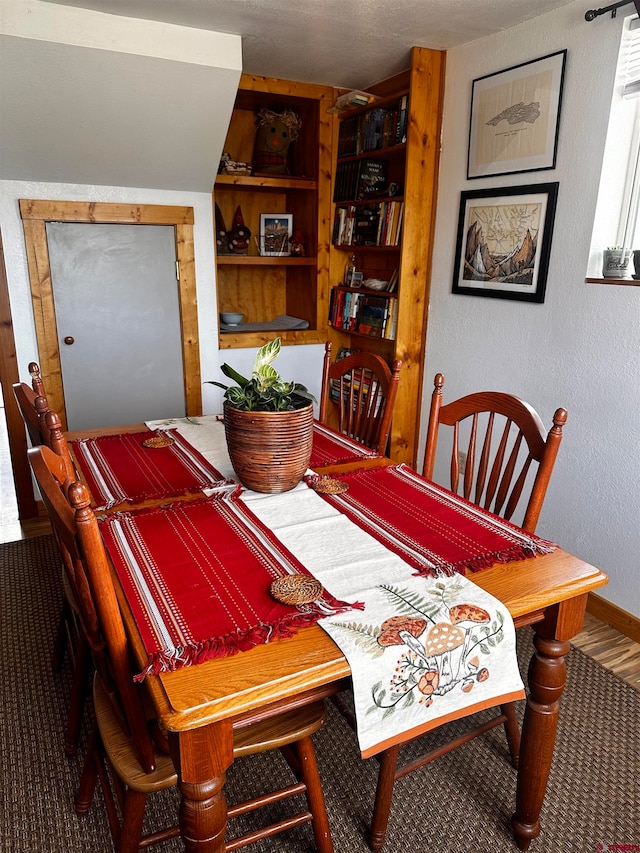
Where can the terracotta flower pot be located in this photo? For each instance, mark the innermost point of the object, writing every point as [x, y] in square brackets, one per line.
[269, 451]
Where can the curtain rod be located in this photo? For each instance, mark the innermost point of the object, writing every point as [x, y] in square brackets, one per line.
[591, 14]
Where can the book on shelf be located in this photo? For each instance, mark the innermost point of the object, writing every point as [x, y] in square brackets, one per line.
[377, 224]
[375, 129]
[373, 312]
[363, 312]
[358, 180]
[392, 320]
[372, 179]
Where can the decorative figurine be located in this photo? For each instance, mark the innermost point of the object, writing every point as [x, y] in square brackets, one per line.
[239, 235]
[228, 166]
[276, 132]
[298, 242]
[222, 238]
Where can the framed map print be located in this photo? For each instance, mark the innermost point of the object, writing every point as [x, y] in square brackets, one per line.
[504, 242]
[515, 118]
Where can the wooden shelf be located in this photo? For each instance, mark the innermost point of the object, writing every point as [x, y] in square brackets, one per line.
[368, 202]
[233, 340]
[258, 182]
[260, 261]
[388, 153]
[376, 338]
[357, 247]
[628, 282]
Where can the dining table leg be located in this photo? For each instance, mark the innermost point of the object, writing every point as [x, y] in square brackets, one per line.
[202, 757]
[547, 677]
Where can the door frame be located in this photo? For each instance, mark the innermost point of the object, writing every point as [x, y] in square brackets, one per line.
[36, 213]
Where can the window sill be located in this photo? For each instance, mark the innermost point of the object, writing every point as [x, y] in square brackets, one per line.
[627, 282]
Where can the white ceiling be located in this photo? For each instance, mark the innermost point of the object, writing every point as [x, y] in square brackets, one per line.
[349, 43]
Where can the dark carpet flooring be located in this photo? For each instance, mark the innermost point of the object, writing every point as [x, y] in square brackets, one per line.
[459, 804]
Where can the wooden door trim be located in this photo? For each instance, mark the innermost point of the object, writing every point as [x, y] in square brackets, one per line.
[36, 213]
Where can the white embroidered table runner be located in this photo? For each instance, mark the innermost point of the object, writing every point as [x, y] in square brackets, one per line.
[423, 651]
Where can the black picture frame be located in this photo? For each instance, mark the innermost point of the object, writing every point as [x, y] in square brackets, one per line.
[515, 118]
[504, 242]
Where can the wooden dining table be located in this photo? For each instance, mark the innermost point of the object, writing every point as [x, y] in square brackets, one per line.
[198, 705]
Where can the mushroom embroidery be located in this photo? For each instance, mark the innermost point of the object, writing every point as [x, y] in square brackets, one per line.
[441, 649]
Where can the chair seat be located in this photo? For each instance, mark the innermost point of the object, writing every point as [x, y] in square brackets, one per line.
[282, 730]
[279, 731]
[118, 745]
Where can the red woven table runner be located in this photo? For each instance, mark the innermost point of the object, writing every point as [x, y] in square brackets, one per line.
[118, 469]
[197, 576]
[331, 448]
[432, 529]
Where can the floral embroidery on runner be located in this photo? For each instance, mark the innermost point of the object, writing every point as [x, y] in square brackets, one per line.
[422, 652]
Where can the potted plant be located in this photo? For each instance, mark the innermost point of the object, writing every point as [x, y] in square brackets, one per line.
[268, 425]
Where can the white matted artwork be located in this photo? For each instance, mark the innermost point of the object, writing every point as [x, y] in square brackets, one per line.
[504, 242]
[515, 117]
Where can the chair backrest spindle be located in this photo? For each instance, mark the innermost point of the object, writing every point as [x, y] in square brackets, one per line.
[496, 479]
[366, 388]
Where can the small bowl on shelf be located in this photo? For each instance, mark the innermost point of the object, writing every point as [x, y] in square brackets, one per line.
[375, 284]
[231, 318]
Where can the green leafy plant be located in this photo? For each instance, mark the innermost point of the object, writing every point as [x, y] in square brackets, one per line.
[266, 391]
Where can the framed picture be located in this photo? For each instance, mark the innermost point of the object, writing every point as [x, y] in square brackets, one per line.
[275, 231]
[515, 118]
[504, 241]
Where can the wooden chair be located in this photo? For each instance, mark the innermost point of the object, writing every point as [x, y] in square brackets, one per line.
[70, 635]
[33, 408]
[505, 441]
[364, 417]
[44, 427]
[501, 453]
[137, 762]
[32, 402]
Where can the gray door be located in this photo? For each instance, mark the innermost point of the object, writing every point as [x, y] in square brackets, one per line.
[118, 319]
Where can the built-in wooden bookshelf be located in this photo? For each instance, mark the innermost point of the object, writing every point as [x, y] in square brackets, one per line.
[262, 287]
[408, 144]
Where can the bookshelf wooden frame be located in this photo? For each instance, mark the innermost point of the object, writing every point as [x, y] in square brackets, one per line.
[262, 287]
[424, 83]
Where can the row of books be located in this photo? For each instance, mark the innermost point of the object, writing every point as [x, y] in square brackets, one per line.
[365, 313]
[379, 127]
[360, 180]
[368, 225]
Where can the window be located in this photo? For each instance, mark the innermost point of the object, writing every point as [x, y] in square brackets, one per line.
[617, 221]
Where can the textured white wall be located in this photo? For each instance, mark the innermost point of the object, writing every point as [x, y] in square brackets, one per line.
[581, 348]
